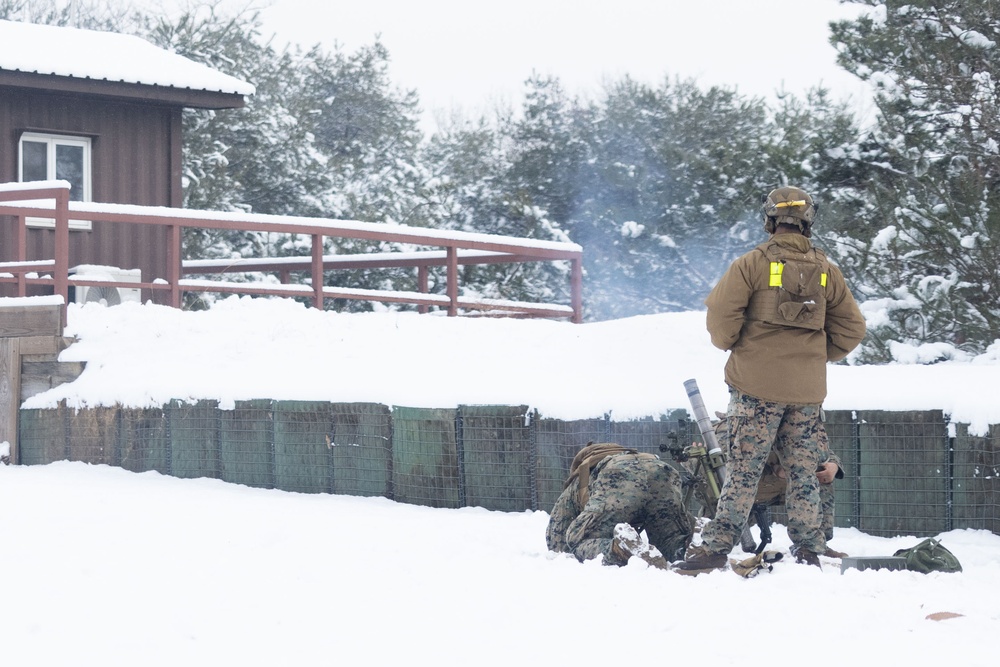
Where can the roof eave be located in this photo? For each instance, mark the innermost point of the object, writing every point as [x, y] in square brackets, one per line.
[136, 92]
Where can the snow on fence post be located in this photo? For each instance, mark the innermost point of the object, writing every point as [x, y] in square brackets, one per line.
[576, 289]
[317, 270]
[451, 284]
[10, 393]
[175, 259]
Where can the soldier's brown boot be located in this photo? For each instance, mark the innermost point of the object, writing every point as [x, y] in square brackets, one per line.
[805, 556]
[833, 553]
[700, 560]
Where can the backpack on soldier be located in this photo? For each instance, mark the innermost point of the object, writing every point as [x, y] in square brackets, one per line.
[929, 556]
[586, 460]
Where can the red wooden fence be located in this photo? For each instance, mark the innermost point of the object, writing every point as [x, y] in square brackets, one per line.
[449, 249]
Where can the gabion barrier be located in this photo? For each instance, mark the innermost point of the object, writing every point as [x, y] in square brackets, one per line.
[906, 472]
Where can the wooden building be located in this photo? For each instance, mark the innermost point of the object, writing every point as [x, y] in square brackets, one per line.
[102, 111]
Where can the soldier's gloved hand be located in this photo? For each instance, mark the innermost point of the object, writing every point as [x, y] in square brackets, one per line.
[827, 472]
[751, 567]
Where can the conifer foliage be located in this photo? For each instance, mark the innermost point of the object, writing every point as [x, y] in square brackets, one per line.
[930, 257]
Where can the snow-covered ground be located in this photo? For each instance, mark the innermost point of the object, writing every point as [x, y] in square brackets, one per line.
[106, 567]
[111, 568]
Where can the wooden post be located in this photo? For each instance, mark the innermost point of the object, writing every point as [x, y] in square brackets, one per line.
[576, 289]
[317, 270]
[60, 275]
[422, 285]
[21, 239]
[452, 281]
[10, 392]
[174, 263]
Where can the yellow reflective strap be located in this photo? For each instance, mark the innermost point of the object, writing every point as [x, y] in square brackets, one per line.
[822, 279]
[776, 269]
[786, 204]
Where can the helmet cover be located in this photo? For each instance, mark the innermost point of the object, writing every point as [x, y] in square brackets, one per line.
[788, 206]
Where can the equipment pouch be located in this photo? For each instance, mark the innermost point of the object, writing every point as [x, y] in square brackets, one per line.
[802, 298]
[802, 279]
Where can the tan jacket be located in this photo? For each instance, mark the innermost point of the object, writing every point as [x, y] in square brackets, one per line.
[773, 362]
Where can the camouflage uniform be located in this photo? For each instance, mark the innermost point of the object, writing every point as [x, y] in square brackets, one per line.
[827, 497]
[827, 508]
[637, 489]
[771, 489]
[753, 425]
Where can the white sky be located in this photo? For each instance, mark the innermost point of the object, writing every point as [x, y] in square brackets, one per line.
[458, 53]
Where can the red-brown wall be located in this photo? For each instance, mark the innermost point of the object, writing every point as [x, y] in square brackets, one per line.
[136, 159]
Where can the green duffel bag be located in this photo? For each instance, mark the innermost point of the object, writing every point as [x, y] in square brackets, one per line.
[929, 556]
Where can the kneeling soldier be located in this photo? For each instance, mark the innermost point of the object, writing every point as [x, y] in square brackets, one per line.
[611, 495]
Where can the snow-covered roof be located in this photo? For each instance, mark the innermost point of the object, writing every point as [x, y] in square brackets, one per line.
[106, 56]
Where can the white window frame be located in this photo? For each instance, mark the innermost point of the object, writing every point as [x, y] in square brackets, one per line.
[52, 141]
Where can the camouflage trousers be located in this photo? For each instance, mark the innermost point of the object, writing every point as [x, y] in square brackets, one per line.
[772, 488]
[755, 426]
[638, 490]
[827, 507]
[827, 498]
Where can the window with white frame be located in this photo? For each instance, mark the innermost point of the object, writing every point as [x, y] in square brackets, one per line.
[46, 157]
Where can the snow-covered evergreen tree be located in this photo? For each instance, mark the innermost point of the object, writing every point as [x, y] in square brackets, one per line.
[496, 176]
[114, 15]
[261, 158]
[930, 265]
[669, 194]
[325, 135]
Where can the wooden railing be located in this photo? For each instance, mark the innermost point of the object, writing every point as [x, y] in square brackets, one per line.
[449, 249]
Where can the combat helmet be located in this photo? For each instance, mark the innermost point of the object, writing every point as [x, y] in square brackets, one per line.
[788, 206]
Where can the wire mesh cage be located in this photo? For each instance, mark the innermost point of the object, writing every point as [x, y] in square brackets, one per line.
[906, 472]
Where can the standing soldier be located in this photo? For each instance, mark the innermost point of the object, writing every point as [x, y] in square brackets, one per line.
[782, 311]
